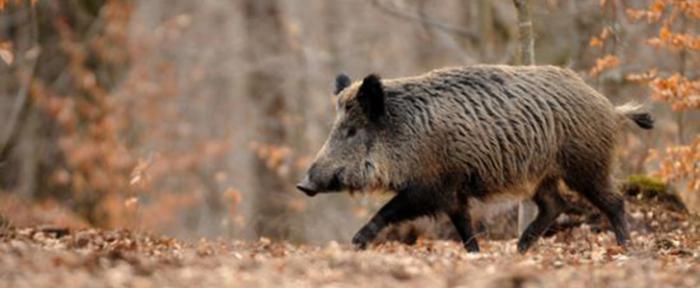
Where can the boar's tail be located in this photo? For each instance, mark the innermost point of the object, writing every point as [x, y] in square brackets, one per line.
[637, 113]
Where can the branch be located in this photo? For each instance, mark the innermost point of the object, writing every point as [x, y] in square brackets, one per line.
[437, 24]
[17, 109]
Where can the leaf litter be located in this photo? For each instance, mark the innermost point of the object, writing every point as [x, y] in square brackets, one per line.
[665, 251]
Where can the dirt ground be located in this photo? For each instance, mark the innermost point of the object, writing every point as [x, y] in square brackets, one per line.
[54, 257]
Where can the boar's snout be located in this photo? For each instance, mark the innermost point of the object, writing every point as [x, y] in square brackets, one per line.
[308, 187]
[319, 180]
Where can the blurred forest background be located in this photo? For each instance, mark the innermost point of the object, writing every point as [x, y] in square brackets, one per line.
[195, 118]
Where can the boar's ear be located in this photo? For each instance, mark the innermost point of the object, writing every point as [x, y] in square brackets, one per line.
[342, 81]
[371, 97]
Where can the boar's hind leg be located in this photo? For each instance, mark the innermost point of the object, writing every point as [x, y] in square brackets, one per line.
[550, 205]
[599, 191]
[398, 209]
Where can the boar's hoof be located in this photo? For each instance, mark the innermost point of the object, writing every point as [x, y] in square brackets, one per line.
[360, 241]
[472, 247]
[524, 245]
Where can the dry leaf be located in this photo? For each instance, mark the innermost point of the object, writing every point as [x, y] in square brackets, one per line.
[131, 202]
[605, 63]
[6, 50]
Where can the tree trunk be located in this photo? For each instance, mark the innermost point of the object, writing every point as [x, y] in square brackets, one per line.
[266, 40]
[527, 41]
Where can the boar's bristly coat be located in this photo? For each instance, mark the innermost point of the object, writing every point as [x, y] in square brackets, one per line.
[461, 140]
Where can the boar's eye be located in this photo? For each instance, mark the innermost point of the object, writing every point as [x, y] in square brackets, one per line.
[350, 132]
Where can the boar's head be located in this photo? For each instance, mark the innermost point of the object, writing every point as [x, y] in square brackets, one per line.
[349, 158]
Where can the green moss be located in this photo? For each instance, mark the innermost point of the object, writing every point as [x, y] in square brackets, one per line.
[653, 190]
[648, 184]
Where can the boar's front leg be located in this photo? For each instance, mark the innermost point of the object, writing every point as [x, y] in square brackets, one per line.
[461, 219]
[463, 224]
[400, 208]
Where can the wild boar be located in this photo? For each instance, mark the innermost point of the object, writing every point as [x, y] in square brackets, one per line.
[466, 139]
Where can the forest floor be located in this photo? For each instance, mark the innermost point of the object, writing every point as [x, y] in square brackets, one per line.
[54, 257]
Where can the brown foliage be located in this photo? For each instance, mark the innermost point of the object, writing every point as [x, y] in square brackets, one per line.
[109, 108]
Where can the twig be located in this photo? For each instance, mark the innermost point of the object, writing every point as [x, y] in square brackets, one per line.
[437, 24]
